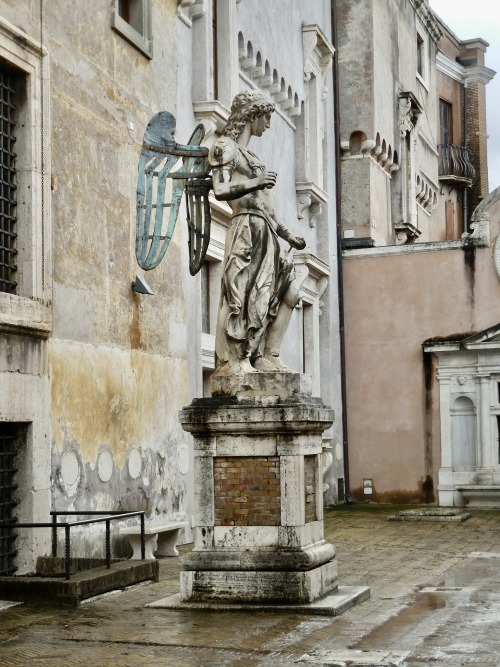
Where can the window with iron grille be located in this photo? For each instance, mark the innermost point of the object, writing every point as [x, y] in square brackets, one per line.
[9, 437]
[8, 235]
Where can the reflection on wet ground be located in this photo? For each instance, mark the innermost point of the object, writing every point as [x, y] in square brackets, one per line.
[431, 604]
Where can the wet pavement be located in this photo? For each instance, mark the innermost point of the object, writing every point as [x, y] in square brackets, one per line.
[435, 600]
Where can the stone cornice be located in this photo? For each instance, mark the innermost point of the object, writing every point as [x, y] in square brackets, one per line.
[450, 67]
[479, 74]
[427, 18]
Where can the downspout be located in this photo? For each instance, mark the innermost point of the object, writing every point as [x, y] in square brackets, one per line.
[465, 195]
[340, 279]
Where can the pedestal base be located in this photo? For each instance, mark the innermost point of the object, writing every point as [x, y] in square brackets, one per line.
[247, 586]
[258, 518]
[335, 604]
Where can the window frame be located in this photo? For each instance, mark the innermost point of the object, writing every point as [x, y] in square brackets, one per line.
[28, 311]
[142, 41]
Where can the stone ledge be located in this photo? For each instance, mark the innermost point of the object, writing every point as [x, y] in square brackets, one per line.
[334, 604]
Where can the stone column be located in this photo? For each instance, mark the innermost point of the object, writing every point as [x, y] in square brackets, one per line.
[485, 454]
[258, 493]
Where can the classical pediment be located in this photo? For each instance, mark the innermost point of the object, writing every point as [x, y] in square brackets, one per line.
[488, 339]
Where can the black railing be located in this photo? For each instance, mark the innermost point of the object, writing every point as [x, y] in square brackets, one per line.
[106, 517]
[455, 161]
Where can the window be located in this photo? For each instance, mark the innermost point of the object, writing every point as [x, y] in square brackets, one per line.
[132, 20]
[420, 55]
[8, 186]
[445, 123]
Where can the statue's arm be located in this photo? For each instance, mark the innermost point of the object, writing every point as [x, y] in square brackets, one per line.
[296, 242]
[223, 158]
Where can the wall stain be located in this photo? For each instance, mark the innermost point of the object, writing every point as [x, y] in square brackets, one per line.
[424, 494]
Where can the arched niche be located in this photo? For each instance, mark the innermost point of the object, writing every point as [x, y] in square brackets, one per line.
[463, 435]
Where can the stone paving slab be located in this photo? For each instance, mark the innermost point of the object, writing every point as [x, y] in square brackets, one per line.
[397, 560]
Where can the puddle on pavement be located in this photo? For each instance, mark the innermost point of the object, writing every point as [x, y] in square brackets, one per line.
[383, 635]
[425, 603]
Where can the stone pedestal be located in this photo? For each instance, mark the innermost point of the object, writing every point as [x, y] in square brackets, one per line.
[258, 493]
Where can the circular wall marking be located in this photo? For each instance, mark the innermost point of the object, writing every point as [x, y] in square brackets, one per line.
[70, 468]
[105, 466]
[134, 463]
[183, 460]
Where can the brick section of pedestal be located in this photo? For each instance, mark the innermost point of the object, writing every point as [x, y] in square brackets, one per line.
[310, 487]
[247, 491]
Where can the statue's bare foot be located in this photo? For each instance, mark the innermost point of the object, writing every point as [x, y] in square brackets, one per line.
[263, 364]
[271, 363]
[238, 367]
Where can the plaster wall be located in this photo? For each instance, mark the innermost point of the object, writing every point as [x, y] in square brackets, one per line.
[393, 398]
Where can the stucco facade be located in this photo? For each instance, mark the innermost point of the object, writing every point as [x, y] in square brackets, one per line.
[412, 174]
[93, 374]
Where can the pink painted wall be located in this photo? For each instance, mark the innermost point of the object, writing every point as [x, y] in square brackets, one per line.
[393, 303]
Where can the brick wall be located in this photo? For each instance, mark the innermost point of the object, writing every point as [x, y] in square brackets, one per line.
[247, 491]
[476, 141]
[310, 487]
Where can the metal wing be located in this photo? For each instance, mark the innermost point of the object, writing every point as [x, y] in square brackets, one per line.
[155, 193]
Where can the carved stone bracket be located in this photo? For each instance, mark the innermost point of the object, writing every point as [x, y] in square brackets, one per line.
[213, 115]
[410, 110]
[318, 54]
[480, 234]
[406, 233]
[189, 10]
[310, 200]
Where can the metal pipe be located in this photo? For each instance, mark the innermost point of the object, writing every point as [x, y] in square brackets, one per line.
[67, 550]
[143, 539]
[108, 544]
[340, 276]
[54, 536]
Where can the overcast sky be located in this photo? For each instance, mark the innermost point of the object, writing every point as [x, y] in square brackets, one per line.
[480, 18]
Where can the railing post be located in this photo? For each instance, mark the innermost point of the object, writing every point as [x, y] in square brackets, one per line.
[108, 545]
[54, 535]
[67, 550]
[143, 539]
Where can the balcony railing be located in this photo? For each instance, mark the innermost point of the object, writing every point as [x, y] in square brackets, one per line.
[455, 164]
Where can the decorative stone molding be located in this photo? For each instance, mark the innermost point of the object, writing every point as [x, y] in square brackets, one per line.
[406, 233]
[318, 54]
[381, 153]
[410, 110]
[189, 10]
[480, 223]
[426, 192]
[316, 280]
[257, 72]
[427, 17]
[213, 115]
[310, 200]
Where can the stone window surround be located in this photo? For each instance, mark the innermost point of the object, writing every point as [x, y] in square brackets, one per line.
[28, 311]
[142, 41]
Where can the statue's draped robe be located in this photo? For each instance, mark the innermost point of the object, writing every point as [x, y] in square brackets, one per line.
[256, 272]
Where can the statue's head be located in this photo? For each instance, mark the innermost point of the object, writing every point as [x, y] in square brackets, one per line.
[246, 107]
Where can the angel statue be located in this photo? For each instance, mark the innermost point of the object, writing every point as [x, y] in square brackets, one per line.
[259, 288]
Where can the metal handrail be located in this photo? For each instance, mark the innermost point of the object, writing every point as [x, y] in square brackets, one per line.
[107, 517]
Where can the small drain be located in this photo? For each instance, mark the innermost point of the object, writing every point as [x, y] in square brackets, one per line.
[447, 589]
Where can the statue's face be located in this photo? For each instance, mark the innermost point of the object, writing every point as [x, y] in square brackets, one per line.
[260, 124]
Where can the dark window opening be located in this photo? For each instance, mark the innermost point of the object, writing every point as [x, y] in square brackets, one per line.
[8, 235]
[9, 437]
[445, 123]
[132, 12]
[420, 55]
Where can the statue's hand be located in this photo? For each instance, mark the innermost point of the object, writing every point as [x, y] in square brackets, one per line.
[267, 179]
[296, 242]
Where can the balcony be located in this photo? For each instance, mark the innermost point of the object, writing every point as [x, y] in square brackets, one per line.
[455, 167]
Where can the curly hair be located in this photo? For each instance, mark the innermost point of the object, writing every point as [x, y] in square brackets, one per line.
[245, 107]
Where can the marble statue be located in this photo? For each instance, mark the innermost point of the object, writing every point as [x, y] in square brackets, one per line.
[259, 288]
